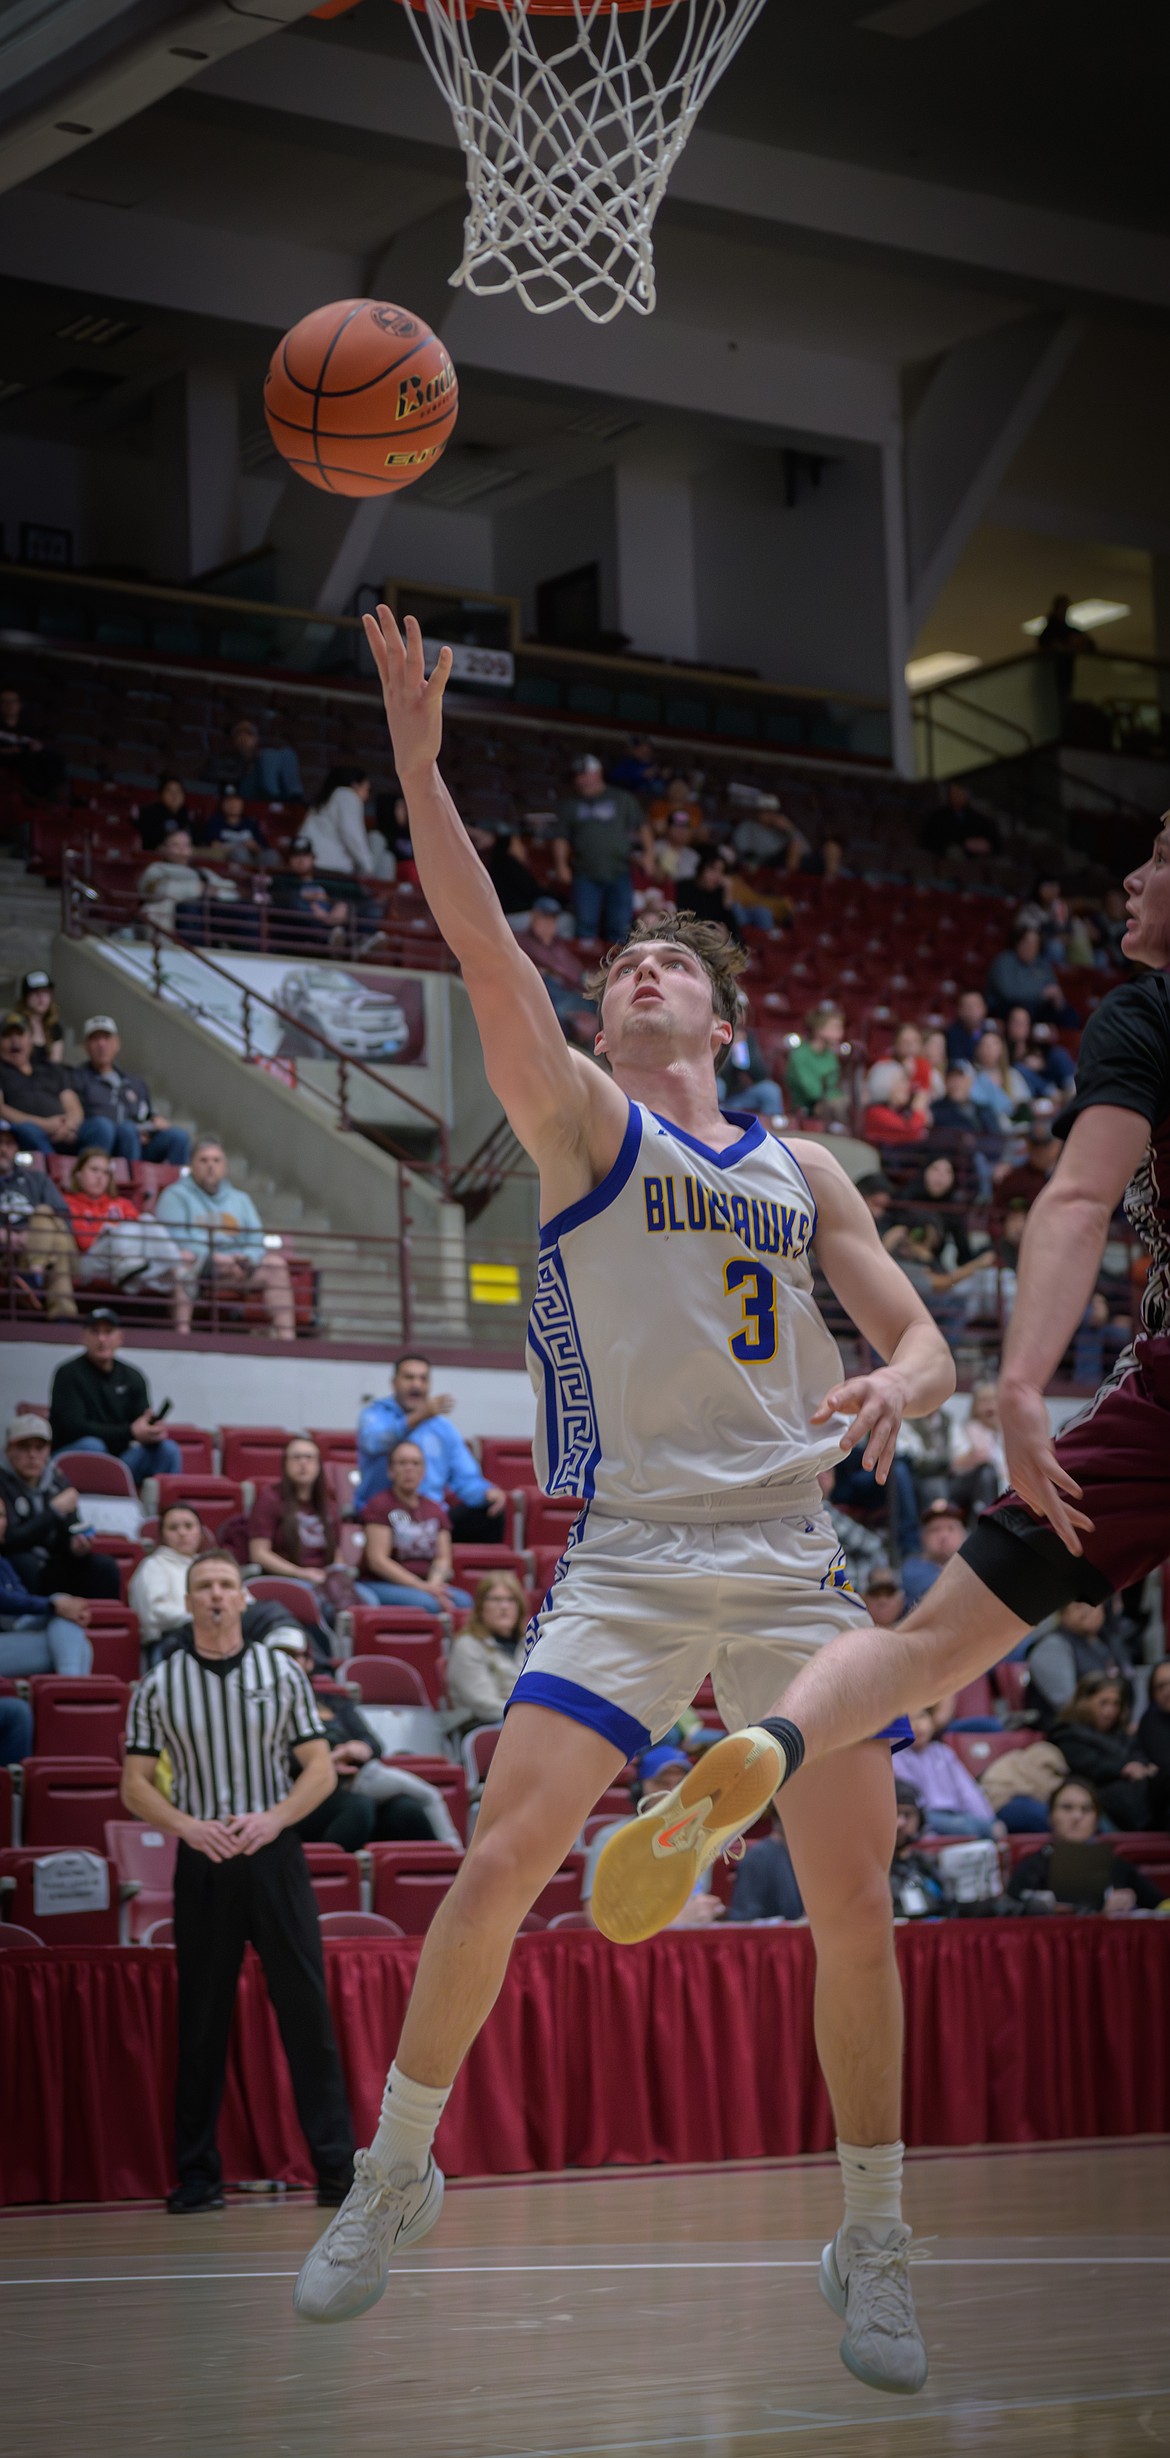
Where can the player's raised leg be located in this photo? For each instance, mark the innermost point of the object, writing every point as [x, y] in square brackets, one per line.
[544, 1779]
[839, 1826]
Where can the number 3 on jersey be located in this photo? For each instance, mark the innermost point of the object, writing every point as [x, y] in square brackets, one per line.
[755, 1341]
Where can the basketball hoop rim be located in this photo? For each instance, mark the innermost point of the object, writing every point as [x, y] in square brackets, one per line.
[540, 8]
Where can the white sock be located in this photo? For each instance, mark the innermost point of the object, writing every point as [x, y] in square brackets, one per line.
[872, 2178]
[408, 2124]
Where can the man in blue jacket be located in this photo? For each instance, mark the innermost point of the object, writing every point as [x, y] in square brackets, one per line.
[450, 1467]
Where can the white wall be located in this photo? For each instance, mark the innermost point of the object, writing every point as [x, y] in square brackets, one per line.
[796, 592]
[555, 533]
[212, 1390]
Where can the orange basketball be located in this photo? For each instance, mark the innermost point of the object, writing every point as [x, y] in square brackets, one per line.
[361, 397]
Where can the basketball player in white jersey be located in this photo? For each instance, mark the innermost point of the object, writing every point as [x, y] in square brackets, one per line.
[688, 1393]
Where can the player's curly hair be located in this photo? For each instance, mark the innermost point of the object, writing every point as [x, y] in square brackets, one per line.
[721, 956]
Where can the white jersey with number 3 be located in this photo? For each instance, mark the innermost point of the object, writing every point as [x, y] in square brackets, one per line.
[674, 1342]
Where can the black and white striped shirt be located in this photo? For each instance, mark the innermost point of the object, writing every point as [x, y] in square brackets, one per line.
[227, 1724]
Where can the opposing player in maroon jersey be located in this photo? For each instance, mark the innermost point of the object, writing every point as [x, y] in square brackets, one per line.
[1088, 1512]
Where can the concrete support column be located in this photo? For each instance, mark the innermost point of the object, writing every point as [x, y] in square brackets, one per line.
[656, 562]
[197, 460]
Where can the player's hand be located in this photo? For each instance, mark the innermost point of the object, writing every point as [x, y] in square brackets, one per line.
[875, 1405]
[1033, 1467]
[414, 706]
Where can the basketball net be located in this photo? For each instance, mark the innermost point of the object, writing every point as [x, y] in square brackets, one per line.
[572, 119]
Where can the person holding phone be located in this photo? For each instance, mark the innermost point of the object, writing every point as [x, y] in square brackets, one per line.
[100, 1403]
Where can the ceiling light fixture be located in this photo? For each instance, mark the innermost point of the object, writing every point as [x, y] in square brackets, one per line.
[1086, 614]
[923, 672]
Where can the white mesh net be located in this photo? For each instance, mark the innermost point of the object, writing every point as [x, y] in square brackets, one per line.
[572, 124]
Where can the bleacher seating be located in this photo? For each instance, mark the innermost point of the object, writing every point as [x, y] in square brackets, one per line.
[216, 1498]
[358, 1924]
[334, 1876]
[66, 1801]
[143, 1858]
[387, 1681]
[18, 1864]
[410, 1881]
[79, 1716]
[378, 1630]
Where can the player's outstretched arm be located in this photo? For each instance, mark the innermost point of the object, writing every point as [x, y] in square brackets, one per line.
[1060, 1256]
[919, 1372]
[566, 1112]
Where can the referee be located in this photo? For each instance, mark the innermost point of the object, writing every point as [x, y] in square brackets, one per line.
[228, 1713]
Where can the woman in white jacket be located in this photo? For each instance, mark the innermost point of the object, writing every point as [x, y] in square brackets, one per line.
[158, 1589]
[336, 829]
[486, 1657]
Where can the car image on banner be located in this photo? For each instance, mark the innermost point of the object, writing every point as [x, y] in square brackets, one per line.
[358, 1019]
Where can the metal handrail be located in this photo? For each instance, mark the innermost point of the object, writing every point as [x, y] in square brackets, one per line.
[76, 895]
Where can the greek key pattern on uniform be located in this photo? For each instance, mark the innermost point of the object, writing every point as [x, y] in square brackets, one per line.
[554, 1335]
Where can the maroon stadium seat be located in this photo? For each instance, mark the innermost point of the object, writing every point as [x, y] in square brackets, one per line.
[254, 1451]
[80, 1715]
[335, 1878]
[410, 1881]
[144, 1857]
[354, 1924]
[66, 1801]
[17, 1893]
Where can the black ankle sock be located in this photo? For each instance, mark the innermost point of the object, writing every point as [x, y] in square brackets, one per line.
[790, 1738]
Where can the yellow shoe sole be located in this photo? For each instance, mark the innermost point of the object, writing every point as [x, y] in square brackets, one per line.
[649, 1869]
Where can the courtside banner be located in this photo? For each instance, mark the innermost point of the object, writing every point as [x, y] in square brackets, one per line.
[365, 1012]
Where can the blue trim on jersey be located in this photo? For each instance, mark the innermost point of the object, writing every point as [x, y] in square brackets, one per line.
[605, 1194]
[899, 1734]
[583, 1707]
[572, 1440]
[800, 1174]
[750, 1140]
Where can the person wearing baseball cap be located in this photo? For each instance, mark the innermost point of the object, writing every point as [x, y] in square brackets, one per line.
[43, 1519]
[36, 1245]
[560, 969]
[38, 1005]
[600, 831]
[309, 910]
[35, 1093]
[98, 1402]
[120, 1116]
[943, 1529]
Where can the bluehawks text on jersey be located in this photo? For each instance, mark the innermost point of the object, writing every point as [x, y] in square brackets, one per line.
[765, 1228]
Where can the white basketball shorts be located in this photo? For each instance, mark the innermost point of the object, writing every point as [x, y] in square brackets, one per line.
[640, 1611]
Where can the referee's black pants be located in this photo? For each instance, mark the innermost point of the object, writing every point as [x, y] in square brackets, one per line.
[219, 1905]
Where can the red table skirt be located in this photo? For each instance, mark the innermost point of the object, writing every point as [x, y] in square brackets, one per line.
[694, 2047]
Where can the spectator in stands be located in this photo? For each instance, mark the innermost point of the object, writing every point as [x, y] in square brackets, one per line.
[745, 1080]
[958, 1113]
[765, 1882]
[158, 1587]
[560, 969]
[312, 910]
[1069, 1647]
[1062, 642]
[676, 854]
[407, 1556]
[97, 1402]
[855, 1488]
[229, 1716]
[958, 824]
[485, 1659]
[907, 1047]
[1074, 1814]
[813, 1072]
[1046, 1066]
[38, 1005]
[158, 820]
[600, 830]
[507, 858]
[659, 1770]
[373, 1803]
[877, 1194]
[767, 840]
[914, 1879]
[45, 1538]
[36, 1246]
[827, 861]
[116, 1242]
[679, 800]
[639, 768]
[944, 1528]
[708, 894]
[233, 836]
[949, 1798]
[175, 879]
[978, 1473]
[1030, 1176]
[412, 1408]
[894, 1112]
[335, 826]
[966, 1030]
[1153, 1732]
[997, 1086]
[1022, 976]
[864, 1547]
[293, 1531]
[1112, 923]
[16, 1731]
[1094, 1739]
[261, 772]
[38, 1634]
[884, 1600]
[221, 1225]
[36, 1095]
[24, 755]
[934, 1197]
[120, 1116]
[1047, 911]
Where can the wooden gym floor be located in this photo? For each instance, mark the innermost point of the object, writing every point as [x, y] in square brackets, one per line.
[669, 2311]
